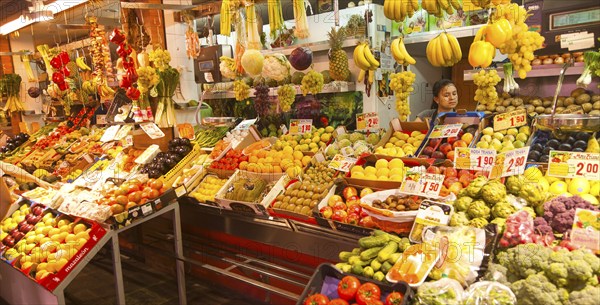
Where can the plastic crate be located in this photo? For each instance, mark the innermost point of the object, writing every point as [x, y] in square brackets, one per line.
[326, 278]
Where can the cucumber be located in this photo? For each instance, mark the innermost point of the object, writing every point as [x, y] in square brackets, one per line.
[370, 253]
[353, 259]
[379, 276]
[356, 251]
[375, 264]
[368, 271]
[357, 269]
[394, 257]
[393, 237]
[385, 253]
[345, 255]
[356, 260]
[346, 268]
[385, 267]
[373, 241]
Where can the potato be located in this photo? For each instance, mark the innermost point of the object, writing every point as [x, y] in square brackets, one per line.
[510, 108]
[595, 97]
[530, 108]
[548, 111]
[507, 102]
[540, 109]
[596, 105]
[582, 99]
[547, 103]
[517, 101]
[560, 109]
[569, 101]
[595, 112]
[490, 107]
[587, 107]
[577, 92]
[500, 109]
[537, 102]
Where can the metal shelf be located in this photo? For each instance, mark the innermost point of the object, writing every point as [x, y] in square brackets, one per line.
[333, 87]
[314, 46]
[458, 32]
[536, 71]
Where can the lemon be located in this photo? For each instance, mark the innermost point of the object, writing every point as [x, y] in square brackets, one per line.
[551, 179]
[356, 169]
[558, 187]
[533, 174]
[595, 190]
[383, 178]
[298, 155]
[357, 174]
[370, 170]
[395, 163]
[383, 172]
[591, 199]
[396, 178]
[396, 171]
[381, 163]
[544, 183]
[579, 186]
[371, 176]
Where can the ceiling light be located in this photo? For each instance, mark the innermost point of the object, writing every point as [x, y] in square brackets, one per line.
[39, 13]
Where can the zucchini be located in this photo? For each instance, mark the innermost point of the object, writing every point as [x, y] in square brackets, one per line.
[356, 260]
[385, 253]
[368, 271]
[370, 253]
[353, 259]
[385, 267]
[379, 276]
[357, 269]
[345, 255]
[356, 251]
[341, 265]
[394, 257]
[375, 264]
[373, 241]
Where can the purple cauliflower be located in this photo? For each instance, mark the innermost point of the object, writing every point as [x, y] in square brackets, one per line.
[559, 213]
[542, 227]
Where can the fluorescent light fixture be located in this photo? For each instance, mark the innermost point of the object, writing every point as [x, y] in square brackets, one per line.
[39, 14]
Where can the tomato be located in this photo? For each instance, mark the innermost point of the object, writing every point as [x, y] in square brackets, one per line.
[132, 188]
[316, 299]
[374, 302]
[394, 298]
[135, 196]
[149, 182]
[337, 302]
[147, 189]
[153, 194]
[367, 292]
[156, 184]
[145, 195]
[347, 287]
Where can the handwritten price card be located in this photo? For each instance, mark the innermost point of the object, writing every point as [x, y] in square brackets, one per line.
[367, 121]
[585, 231]
[422, 184]
[474, 158]
[342, 163]
[300, 126]
[566, 164]
[445, 131]
[511, 119]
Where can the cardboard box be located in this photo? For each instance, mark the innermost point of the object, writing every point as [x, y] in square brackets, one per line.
[336, 225]
[405, 127]
[457, 19]
[373, 184]
[245, 206]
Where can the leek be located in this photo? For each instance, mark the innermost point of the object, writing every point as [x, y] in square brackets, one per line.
[253, 42]
[275, 17]
[165, 111]
[510, 85]
[591, 62]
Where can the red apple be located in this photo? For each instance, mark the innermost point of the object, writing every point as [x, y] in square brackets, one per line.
[451, 140]
[434, 142]
[451, 172]
[449, 180]
[355, 208]
[466, 179]
[434, 170]
[445, 148]
[444, 191]
[438, 155]
[455, 188]
[349, 191]
[450, 155]
[353, 201]
[352, 219]
[333, 200]
[340, 205]
[463, 172]
[363, 214]
[427, 151]
[339, 215]
[326, 211]
[460, 143]
[367, 222]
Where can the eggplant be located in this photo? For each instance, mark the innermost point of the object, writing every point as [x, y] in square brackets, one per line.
[153, 173]
[186, 142]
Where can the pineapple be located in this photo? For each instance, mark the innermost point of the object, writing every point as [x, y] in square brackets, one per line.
[338, 60]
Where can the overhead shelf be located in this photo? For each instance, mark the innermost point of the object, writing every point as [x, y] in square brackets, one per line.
[313, 46]
[458, 32]
[536, 71]
[333, 87]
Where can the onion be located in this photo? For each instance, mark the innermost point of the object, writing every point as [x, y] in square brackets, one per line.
[542, 57]
[536, 62]
[559, 60]
[577, 54]
[579, 58]
[566, 55]
[553, 56]
[547, 61]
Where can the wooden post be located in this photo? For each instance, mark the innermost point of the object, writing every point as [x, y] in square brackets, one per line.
[15, 120]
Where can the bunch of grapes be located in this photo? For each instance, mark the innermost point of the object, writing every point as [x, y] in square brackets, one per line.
[312, 82]
[261, 100]
[486, 94]
[402, 83]
[287, 96]
[523, 43]
[241, 90]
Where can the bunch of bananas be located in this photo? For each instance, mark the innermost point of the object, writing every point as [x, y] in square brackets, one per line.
[402, 83]
[488, 3]
[80, 61]
[443, 51]
[437, 7]
[398, 9]
[103, 89]
[486, 94]
[88, 88]
[400, 54]
[366, 61]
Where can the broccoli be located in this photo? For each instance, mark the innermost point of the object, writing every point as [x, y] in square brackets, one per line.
[459, 219]
[514, 184]
[536, 290]
[462, 203]
[474, 189]
[478, 209]
[496, 273]
[586, 296]
[493, 192]
[524, 260]
[503, 209]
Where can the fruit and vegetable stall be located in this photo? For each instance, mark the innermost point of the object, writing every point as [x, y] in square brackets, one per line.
[304, 175]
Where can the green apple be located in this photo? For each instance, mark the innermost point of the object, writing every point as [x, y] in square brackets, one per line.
[498, 135]
[483, 144]
[512, 131]
[486, 138]
[522, 137]
[525, 129]
[509, 138]
[518, 144]
[488, 131]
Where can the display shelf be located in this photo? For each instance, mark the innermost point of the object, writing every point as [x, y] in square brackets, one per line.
[536, 71]
[314, 46]
[458, 32]
[333, 87]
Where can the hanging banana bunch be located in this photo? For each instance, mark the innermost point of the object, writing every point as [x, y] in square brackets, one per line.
[366, 61]
[438, 7]
[443, 51]
[400, 53]
[398, 10]
[301, 30]
[275, 17]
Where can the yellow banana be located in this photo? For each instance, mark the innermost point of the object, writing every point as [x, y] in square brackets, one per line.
[397, 10]
[398, 56]
[456, 51]
[436, 53]
[371, 76]
[444, 4]
[370, 57]
[386, 9]
[81, 64]
[428, 52]
[359, 57]
[415, 5]
[446, 49]
[449, 10]
[361, 75]
[455, 4]
[407, 58]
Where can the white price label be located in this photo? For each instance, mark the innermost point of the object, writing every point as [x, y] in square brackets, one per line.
[147, 209]
[110, 133]
[101, 119]
[567, 164]
[128, 141]
[342, 163]
[367, 121]
[152, 130]
[123, 132]
[474, 158]
[514, 161]
[245, 124]
[180, 191]
[422, 184]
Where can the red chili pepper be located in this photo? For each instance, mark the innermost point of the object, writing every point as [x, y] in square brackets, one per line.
[58, 78]
[63, 86]
[123, 50]
[116, 37]
[124, 83]
[128, 63]
[132, 75]
[133, 93]
[65, 71]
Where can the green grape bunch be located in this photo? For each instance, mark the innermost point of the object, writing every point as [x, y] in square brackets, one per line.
[486, 94]
[402, 85]
[312, 82]
[286, 95]
[241, 90]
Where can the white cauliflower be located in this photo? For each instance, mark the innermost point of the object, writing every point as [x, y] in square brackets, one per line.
[276, 66]
[227, 67]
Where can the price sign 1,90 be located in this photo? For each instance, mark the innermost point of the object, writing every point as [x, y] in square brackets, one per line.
[300, 126]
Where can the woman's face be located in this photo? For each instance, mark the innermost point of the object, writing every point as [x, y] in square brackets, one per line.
[447, 98]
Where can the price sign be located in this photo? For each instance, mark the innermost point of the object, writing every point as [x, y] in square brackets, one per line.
[507, 120]
[367, 121]
[152, 130]
[445, 131]
[585, 232]
[567, 164]
[300, 126]
[245, 124]
[422, 184]
[342, 163]
[474, 158]
[123, 132]
[180, 191]
[283, 129]
[128, 141]
[110, 133]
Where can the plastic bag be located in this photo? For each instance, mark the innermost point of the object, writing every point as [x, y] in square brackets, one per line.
[489, 293]
[518, 230]
[445, 291]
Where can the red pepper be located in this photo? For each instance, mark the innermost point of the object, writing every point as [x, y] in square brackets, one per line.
[64, 57]
[124, 83]
[133, 93]
[58, 78]
[123, 50]
[55, 62]
[65, 71]
[128, 63]
[132, 75]
[63, 86]
[116, 37]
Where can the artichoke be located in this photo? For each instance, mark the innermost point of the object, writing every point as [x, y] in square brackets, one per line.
[493, 192]
[462, 204]
[501, 223]
[533, 193]
[478, 222]
[514, 184]
[459, 219]
[478, 209]
[474, 189]
[503, 209]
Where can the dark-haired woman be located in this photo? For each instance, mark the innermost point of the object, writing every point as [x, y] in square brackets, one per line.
[445, 99]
